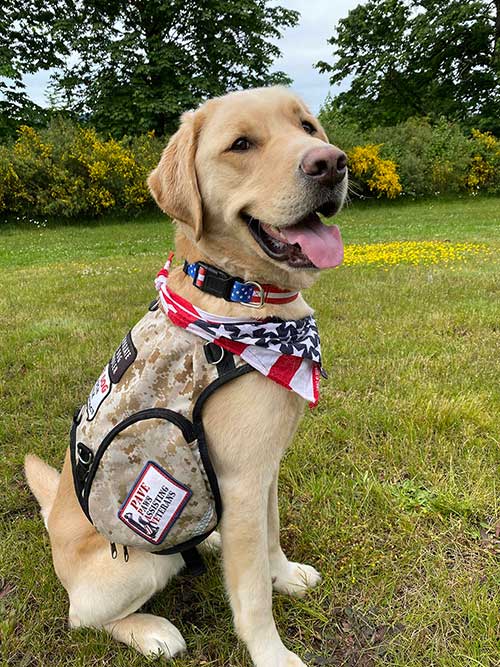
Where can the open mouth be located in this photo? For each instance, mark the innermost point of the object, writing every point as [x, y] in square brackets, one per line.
[307, 244]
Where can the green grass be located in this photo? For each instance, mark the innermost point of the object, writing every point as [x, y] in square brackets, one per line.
[391, 487]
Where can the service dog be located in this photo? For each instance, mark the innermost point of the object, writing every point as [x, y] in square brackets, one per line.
[244, 179]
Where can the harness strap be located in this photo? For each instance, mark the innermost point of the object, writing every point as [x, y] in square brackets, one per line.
[221, 358]
[195, 565]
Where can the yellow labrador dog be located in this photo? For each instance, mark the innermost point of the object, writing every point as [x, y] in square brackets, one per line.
[244, 177]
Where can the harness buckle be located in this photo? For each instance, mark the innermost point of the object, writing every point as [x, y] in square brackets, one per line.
[262, 295]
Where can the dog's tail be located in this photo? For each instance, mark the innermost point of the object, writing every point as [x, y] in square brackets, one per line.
[43, 482]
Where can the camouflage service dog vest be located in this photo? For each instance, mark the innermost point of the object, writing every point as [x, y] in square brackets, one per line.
[141, 467]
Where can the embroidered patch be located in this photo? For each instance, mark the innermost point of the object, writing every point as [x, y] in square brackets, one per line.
[154, 503]
[122, 358]
[99, 392]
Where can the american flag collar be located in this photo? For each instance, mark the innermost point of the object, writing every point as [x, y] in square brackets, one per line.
[214, 281]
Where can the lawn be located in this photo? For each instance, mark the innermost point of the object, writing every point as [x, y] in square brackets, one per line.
[390, 488]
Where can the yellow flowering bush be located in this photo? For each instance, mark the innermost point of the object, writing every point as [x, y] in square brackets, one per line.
[378, 175]
[68, 170]
[411, 252]
[30, 142]
[12, 189]
[23, 169]
[484, 170]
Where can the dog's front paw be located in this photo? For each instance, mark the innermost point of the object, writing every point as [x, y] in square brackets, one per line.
[280, 658]
[295, 579]
[158, 637]
[293, 660]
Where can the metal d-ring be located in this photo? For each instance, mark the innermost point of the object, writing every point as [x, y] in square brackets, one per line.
[214, 363]
[262, 295]
[83, 461]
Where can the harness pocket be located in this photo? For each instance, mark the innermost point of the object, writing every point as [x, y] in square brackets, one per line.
[150, 484]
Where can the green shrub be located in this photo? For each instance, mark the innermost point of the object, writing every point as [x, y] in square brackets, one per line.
[430, 158]
[68, 170]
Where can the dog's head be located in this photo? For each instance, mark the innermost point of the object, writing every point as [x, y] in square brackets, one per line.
[245, 177]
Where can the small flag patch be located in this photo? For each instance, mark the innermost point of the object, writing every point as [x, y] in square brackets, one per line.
[99, 392]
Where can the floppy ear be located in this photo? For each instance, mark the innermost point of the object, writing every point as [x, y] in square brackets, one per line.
[173, 183]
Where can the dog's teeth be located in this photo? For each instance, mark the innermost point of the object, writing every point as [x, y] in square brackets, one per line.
[277, 244]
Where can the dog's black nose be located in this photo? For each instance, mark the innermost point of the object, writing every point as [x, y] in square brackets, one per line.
[326, 164]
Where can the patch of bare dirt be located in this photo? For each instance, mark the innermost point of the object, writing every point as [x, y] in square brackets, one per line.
[353, 639]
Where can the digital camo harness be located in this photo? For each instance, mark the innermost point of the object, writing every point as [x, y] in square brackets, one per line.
[141, 465]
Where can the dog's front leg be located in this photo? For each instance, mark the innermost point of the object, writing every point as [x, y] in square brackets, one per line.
[247, 571]
[288, 577]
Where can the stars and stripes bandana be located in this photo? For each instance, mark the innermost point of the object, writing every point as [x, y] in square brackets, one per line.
[286, 351]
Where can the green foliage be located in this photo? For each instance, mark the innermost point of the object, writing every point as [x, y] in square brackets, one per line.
[418, 58]
[431, 158]
[68, 170]
[71, 171]
[30, 40]
[134, 67]
[141, 64]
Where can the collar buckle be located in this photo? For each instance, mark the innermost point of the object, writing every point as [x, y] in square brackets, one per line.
[210, 279]
[261, 294]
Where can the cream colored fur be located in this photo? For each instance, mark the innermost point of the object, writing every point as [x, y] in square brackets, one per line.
[205, 187]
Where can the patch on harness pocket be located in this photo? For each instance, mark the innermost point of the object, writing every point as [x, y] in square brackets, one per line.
[154, 503]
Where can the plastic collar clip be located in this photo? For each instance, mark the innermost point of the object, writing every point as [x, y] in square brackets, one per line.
[214, 281]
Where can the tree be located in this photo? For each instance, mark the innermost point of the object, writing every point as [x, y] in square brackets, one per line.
[426, 57]
[140, 63]
[28, 43]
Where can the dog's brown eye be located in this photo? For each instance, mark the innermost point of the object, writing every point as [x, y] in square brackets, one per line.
[308, 127]
[241, 144]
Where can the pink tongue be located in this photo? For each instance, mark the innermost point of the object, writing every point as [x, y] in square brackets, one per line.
[321, 244]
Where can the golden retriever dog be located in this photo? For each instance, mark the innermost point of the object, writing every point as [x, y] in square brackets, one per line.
[244, 179]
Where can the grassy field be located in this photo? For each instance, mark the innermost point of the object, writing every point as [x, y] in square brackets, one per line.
[391, 488]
